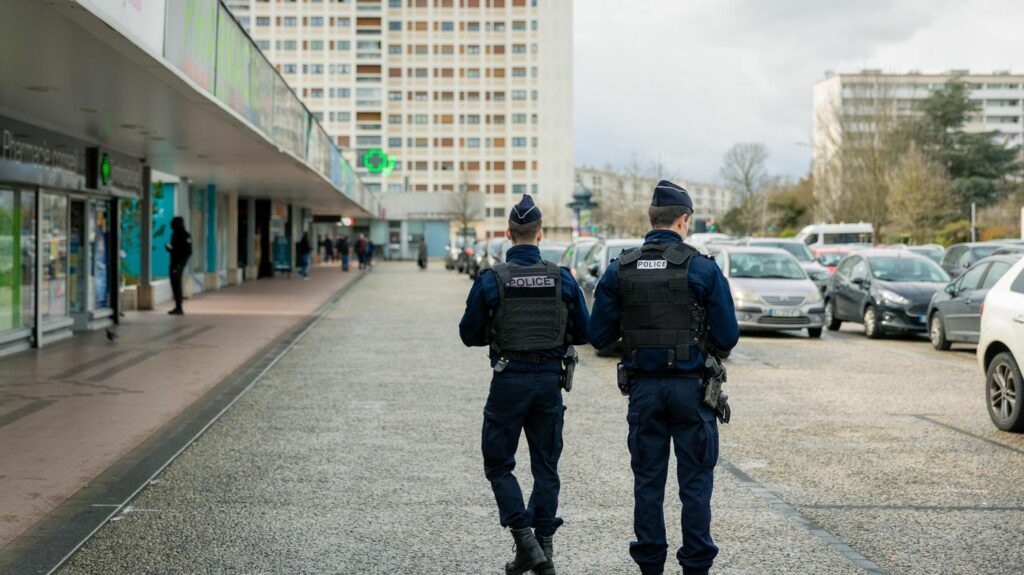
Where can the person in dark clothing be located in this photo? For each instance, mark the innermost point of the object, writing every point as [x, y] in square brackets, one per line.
[421, 255]
[305, 251]
[343, 252]
[181, 250]
[328, 246]
[671, 306]
[528, 312]
[369, 254]
[361, 251]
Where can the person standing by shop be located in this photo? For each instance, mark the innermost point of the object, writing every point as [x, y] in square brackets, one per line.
[305, 253]
[421, 256]
[361, 251]
[181, 250]
[343, 252]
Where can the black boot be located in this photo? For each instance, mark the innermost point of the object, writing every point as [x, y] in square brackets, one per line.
[528, 552]
[547, 544]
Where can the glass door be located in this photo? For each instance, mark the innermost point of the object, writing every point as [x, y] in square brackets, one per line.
[54, 231]
[77, 276]
[99, 245]
[10, 268]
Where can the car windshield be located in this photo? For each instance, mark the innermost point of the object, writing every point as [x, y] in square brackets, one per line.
[766, 265]
[551, 253]
[984, 251]
[896, 269]
[830, 258]
[934, 254]
[798, 250]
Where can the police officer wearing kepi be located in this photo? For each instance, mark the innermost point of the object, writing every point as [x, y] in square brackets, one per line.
[671, 306]
[529, 312]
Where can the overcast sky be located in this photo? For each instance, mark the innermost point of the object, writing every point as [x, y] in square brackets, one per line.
[682, 80]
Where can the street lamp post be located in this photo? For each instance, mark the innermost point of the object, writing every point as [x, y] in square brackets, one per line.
[581, 200]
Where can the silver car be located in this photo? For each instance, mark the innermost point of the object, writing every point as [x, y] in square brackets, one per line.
[770, 290]
[817, 272]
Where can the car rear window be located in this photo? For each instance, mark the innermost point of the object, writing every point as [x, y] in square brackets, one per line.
[1018, 284]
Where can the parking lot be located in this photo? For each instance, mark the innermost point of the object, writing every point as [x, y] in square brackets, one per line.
[359, 453]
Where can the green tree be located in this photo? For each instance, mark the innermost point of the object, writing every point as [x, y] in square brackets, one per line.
[919, 195]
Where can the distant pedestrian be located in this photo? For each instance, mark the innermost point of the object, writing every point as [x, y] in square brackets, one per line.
[421, 257]
[369, 254]
[361, 245]
[305, 253]
[181, 250]
[343, 252]
[328, 247]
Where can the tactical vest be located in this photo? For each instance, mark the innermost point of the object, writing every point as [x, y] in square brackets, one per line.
[531, 314]
[656, 307]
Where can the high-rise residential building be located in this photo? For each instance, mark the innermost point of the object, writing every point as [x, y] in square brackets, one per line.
[431, 97]
[852, 102]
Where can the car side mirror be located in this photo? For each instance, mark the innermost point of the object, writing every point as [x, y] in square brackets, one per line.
[951, 289]
[967, 265]
[859, 281]
[593, 269]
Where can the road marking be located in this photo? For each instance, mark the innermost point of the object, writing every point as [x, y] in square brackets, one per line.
[123, 366]
[188, 336]
[168, 332]
[953, 508]
[67, 374]
[791, 513]
[27, 410]
[968, 433]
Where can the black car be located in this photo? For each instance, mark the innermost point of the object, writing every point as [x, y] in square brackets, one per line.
[959, 257]
[954, 315]
[888, 291]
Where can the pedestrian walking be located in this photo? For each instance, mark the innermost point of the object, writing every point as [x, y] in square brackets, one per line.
[328, 247]
[672, 308]
[343, 252]
[529, 312]
[369, 254]
[361, 251]
[421, 255]
[180, 249]
[305, 253]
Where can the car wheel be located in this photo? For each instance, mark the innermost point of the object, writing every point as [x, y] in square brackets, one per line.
[871, 328]
[1003, 384]
[937, 333]
[831, 321]
[814, 332]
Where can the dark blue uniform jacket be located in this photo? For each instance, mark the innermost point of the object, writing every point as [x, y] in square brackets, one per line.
[707, 285]
[483, 298]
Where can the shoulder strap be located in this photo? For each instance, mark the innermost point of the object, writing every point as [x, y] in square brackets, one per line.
[676, 254]
[629, 256]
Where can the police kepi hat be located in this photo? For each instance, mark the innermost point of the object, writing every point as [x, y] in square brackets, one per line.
[525, 211]
[668, 194]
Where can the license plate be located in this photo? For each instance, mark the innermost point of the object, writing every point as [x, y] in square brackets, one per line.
[784, 313]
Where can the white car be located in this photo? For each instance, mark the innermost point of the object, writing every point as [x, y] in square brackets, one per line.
[1001, 350]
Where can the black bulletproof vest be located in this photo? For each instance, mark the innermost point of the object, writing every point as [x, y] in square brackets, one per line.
[656, 307]
[531, 314]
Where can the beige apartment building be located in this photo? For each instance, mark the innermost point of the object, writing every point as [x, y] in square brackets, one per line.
[708, 199]
[430, 97]
[846, 96]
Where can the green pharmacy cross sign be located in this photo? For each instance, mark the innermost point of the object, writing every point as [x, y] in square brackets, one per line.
[105, 169]
[377, 162]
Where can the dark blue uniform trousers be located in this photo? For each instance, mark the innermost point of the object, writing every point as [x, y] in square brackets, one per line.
[663, 409]
[530, 402]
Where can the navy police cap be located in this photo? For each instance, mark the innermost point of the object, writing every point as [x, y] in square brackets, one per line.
[668, 194]
[525, 211]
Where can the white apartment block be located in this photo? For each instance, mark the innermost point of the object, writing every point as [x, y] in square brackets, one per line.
[427, 97]
[708, 199]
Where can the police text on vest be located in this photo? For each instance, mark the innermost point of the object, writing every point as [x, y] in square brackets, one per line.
[651, 264]
[531, 282]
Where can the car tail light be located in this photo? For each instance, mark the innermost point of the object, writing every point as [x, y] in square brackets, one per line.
[469, 252]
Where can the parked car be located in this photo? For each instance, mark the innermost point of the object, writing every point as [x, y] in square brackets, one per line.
[935, 252]
[698, 240]
[770, 289]
[959, 257]
[1001, 349]
[954, 315]
[829, 257]
[590, 269]
[821, 235]
[888, 291]
[476, 256]
[575, 253]
[454, 254]
[552, 251]
[814, 270]
[494, 253]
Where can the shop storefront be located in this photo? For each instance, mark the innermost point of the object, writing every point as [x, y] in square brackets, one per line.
[58, 271]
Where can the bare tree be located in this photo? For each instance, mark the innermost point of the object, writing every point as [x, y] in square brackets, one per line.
[464, 205]
[743, 168]
[920, 194]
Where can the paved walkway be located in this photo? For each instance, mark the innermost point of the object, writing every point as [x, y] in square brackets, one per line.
[69, 411]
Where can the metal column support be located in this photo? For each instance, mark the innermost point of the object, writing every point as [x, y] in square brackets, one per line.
[146, 299]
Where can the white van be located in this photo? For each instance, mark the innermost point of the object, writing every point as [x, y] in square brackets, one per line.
[820, 235]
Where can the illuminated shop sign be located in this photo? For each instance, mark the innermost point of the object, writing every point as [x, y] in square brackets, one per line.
[377, 162]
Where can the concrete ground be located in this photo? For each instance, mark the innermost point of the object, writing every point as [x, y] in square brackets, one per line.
[70, 410]
[359, 453]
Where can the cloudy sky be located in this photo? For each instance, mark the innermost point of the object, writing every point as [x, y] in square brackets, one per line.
[682, 80]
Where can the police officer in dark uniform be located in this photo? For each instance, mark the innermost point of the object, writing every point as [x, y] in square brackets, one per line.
[669, 304]
[528, 312]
